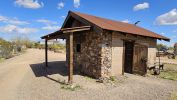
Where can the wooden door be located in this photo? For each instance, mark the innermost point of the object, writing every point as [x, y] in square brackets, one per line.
[140, 59]
[128, 61]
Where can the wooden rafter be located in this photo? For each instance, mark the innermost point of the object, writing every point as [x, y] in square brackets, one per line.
[61, 32]
[65, 29]
[76, 30]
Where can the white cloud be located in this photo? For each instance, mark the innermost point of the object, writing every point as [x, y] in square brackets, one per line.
[142, 6]
[47, 22]
[17, 22]
[12, 20]
[76, 3]
[3, 18]
[16, 29]
[63, 16]
[169, 18]
[163, 33]
[174, 37]
[50, 25]
[32, 4]
[53, 28]
[126, 21]
[61, 5]
[175, 31]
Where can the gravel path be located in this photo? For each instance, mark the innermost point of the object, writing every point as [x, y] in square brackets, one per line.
[24, 78]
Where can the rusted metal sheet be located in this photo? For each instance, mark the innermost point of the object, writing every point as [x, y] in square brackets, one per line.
[119, 26]
[107, 24]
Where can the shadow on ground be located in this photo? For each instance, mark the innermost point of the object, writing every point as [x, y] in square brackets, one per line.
[55, 67]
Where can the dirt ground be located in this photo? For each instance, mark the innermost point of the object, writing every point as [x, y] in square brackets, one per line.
[166, 60]
[25, 78]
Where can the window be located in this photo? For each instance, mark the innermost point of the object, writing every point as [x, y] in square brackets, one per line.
[78, 48]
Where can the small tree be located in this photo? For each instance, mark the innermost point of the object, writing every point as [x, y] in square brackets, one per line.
[21, 43]
[162, 47]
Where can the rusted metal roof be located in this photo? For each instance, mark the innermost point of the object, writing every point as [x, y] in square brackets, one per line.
[112, 25]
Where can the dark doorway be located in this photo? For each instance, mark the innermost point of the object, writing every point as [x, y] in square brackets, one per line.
[128, 61]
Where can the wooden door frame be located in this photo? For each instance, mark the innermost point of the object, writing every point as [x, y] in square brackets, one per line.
[134, 54]
[123, 56]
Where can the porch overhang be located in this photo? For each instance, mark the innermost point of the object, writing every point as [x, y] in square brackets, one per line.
[63, 31]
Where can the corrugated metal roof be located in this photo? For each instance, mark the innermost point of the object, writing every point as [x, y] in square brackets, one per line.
[119, 26]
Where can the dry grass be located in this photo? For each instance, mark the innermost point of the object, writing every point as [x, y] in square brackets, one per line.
[1, 59]
[71, 87]
[170, 72]
[173, 96]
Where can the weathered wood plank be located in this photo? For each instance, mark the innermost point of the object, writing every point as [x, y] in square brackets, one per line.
[72, 28]
[76, 30]
[46, 53]
[70, 77]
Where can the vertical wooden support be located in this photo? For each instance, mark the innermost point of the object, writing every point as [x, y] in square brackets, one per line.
[159, 58]
[46, 54]
[123, 58]
[70, 77]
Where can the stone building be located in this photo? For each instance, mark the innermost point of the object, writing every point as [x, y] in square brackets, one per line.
[175, 49]
[101, 47]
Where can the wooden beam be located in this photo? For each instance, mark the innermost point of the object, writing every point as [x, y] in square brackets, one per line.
[46, 53]
[60, 36]
[96, 28]
[72, 28]
[123, 58]
[76, 30]
[70, 76]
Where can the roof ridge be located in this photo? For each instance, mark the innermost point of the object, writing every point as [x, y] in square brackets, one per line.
[102, 18]
[116, 25]
[112, 21]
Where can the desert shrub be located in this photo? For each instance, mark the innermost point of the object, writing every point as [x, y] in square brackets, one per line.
[22, 43]
[6, 49]
[56, 47]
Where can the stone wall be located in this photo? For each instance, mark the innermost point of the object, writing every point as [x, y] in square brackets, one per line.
[106, 54]
[88, 61]
[102, 53]
[175, 49]
[96, 53]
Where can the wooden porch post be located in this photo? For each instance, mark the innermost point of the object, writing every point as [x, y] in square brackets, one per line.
[70, 76]
[46, 54]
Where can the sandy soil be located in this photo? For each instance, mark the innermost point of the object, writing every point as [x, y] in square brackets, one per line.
[24, 77]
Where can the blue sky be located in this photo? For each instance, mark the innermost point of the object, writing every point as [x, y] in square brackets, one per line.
[35, 18]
